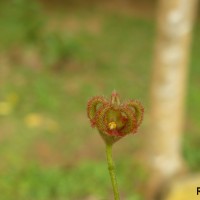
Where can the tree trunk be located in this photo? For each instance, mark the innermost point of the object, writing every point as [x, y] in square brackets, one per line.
[174, 26]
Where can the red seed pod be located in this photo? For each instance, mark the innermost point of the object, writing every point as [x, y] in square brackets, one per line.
[113, 119]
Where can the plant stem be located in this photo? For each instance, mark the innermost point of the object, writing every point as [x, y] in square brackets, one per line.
[111, 169]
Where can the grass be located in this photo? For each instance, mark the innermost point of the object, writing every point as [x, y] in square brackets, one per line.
[35, 182]
[47, 73]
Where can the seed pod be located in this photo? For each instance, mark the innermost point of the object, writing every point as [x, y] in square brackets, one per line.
[113, 119]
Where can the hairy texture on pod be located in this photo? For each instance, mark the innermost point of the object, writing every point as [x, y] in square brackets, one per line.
[138, 109]
[101, 121]
[93, 105]
[131, 122]
[113, 119]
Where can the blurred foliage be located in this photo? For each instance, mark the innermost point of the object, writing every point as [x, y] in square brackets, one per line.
[190, 141]
[49, 66]
[57, 49]
[87, 180]
[22, 21]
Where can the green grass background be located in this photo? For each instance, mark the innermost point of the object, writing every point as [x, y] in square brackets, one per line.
[50, 65]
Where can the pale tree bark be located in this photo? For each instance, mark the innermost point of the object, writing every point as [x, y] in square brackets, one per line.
[170, 69]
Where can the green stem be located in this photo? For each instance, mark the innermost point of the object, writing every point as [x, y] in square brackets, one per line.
[111, 169]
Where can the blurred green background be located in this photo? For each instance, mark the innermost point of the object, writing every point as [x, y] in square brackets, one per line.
[53, 57]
